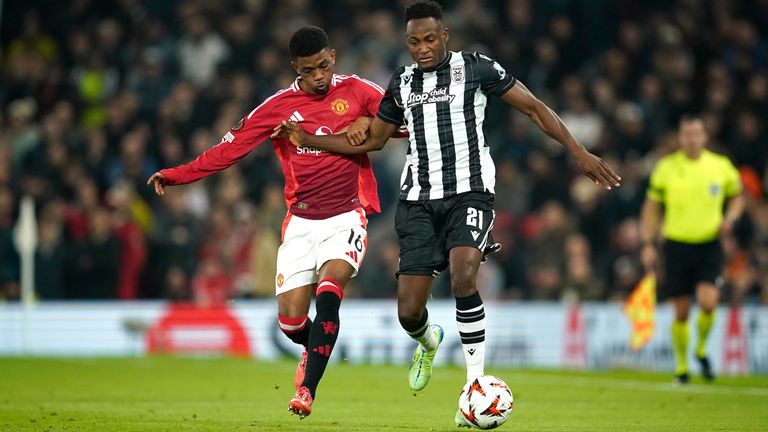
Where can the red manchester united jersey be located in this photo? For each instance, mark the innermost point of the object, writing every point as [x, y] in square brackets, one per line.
[318, 184]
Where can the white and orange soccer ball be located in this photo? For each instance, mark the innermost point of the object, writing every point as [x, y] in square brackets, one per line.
[486, 402]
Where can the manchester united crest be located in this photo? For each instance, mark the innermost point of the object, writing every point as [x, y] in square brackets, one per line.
[457, 74]
[340, 106]
[280, 280]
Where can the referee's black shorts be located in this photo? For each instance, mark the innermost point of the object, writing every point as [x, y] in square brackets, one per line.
[688, 264]
[428, 230]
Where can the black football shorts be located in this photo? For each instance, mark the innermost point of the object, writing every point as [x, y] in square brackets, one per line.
[688, 264]
[428, 230]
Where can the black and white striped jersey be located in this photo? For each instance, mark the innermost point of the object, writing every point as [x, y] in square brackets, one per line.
[444, 110]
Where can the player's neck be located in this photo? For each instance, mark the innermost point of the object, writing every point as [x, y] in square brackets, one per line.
[440, 63]
[693, 155]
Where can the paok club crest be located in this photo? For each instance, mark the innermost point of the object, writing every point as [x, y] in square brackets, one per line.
[457, 74]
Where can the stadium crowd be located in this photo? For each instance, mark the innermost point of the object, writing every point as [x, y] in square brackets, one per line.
[98, 95]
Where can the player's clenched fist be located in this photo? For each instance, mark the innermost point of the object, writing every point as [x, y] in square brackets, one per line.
[357, 132]
[289, 130]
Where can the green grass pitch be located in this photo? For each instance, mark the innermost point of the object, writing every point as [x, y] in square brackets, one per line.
[227, 394]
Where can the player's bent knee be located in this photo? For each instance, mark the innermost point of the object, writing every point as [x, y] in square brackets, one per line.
[463, 285]
[338, 270]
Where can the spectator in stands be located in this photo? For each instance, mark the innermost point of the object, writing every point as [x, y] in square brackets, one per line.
[200, 51]
[92, 266]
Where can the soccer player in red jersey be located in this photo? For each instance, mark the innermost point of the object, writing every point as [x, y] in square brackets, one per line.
[324, 234]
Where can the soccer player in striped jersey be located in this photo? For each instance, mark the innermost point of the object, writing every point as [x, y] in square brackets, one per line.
[445, 212]
[328, 195]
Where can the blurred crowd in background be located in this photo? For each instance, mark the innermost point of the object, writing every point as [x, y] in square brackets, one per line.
[95, 96]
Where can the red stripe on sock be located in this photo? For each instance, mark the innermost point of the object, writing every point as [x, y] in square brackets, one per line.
[287, 323]
[329, 285]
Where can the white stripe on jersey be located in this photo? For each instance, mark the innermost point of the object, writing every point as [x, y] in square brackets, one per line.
[405, 91]
[340, 78]
[269, 99]
[459, 126]
[434, 154]
[296, 117]
[488, 170]
[370, 83]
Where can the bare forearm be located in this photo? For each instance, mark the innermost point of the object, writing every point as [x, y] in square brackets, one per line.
[735, 208]
[649, 221]
[551, 124]
[338, 144]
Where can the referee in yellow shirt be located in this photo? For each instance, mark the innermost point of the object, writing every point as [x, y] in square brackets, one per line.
[691, 184]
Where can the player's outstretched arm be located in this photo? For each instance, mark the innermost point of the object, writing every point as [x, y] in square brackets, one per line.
[593, 167]
[378, 134]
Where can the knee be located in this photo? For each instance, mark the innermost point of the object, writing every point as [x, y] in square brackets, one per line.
[463, 284]
[681, 315]
[708, 303]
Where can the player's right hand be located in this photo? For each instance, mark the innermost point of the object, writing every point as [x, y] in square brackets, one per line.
[357, 132]
[290, 131]
[157, 179]
[597, 170]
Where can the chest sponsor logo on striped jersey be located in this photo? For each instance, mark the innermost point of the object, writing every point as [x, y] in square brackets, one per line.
[437, 95]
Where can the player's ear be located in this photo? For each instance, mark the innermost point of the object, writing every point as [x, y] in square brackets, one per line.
[445, 34]
[333, 56]
[295, 67]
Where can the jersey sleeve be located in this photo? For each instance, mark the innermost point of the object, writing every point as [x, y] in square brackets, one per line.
[656, 184]
[234, 145]
[371, 94]
[389, 110]
[733, 184]
[494, 79]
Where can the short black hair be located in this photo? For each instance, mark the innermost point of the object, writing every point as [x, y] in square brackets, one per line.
[307, 41]
[423, 9]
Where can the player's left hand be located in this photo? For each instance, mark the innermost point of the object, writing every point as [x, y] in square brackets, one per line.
[597, 170]
[291, 131]
[357, 132]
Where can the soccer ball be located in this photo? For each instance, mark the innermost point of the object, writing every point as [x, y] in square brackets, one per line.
[486, 402]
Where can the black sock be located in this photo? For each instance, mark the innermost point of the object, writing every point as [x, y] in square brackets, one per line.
[325, 331]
